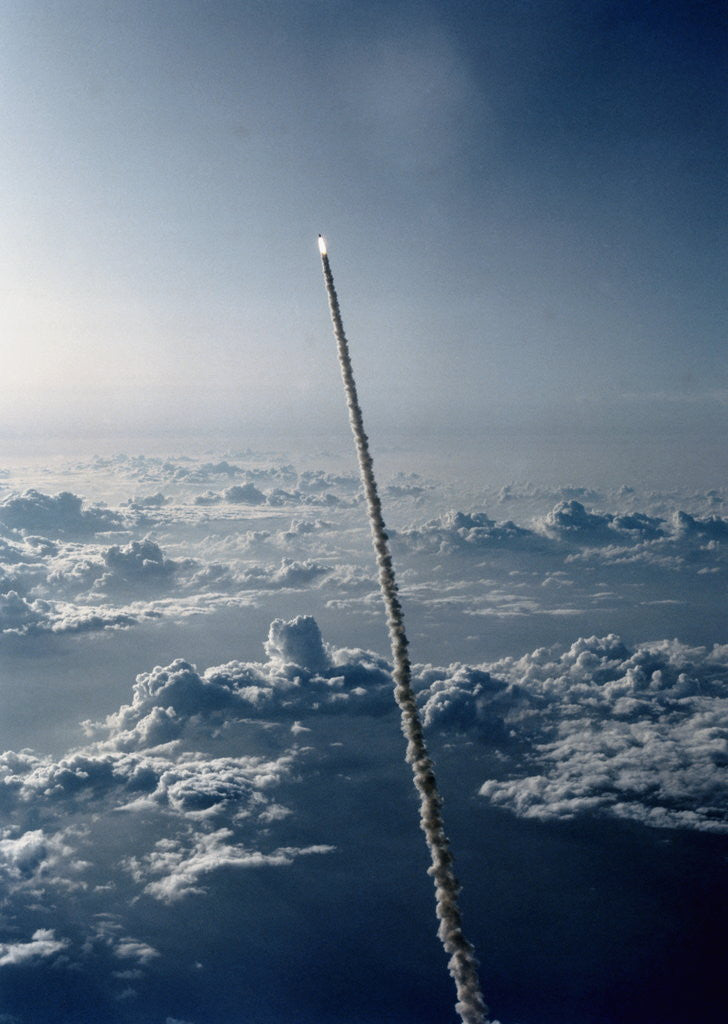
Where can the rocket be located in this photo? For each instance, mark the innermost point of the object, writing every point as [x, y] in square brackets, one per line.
[462, 963]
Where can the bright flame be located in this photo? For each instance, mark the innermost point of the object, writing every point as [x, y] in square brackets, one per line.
[322, 245]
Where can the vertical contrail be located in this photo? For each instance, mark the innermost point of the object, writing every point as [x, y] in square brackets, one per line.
[462, 964]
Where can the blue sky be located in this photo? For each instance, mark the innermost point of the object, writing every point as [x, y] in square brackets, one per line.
[524, 201]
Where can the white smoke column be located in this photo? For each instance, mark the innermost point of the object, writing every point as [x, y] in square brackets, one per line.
[462, 964]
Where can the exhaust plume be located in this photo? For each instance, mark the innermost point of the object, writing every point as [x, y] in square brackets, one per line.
[462, 963]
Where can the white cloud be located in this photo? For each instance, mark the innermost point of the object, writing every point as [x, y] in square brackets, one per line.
[43, 944]
[132, 949]
[137, 562]
[462, 563]
[597, 726]
[34, 858]
[462, 530]
[568, 523]
[23, 617]
[55, 515]
[18, 615]
[298, 642]
[244, 494]
[176, 868]
[302, 675]
[600, 728]
[570, 520]
[183, 783]
[303, 527]
[148, 501]
[290, 574]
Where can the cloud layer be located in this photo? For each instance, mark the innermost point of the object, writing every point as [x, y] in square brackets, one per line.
[264, 780]
[599, 728]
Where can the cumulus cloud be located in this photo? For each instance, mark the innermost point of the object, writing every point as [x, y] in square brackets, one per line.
[69, 586]
[224, 804]
[301, 675]
[311, 487]
[148, 501]
[462, 530]
[132, 949]
[279, 497]
[177, 868]
[319, 480]
[34, 858]
[232, 766]
[201, 812]
[18, 615]
[238, 494]
[710, 528]
[25, 550]
[600, 728]
[214, 810]
[593, 728]
[138, 558]
[55, 515]
[289, 574]
[137, 567]
[187, 471]
[23, 617]
[570, 520]
[507, 570]
[161, 805]
[568, 524]
[407, 485]
[244, 494]
[183, 469]
[187, 784]
[43, 943]
[302, 528]
[91, 573]
[630, 732]
[297, 642]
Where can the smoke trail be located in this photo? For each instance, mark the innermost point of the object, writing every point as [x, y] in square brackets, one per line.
[462, 964]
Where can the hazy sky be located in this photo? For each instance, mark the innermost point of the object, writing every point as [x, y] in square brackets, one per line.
[525, 204]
